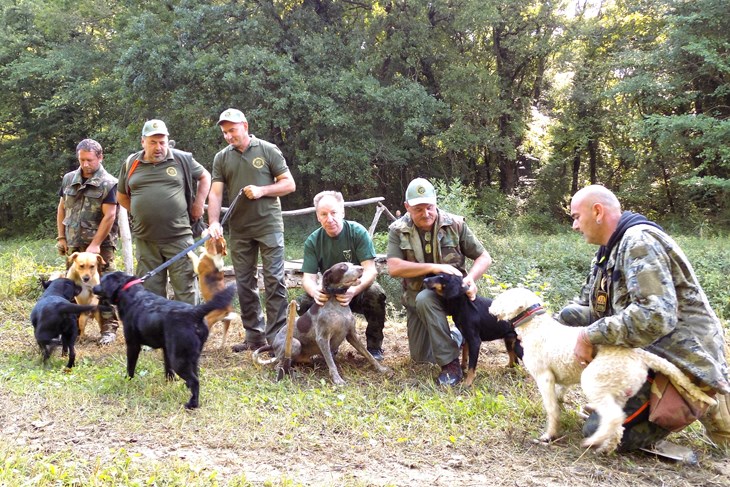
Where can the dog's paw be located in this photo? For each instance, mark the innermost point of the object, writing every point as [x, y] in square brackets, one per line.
[546, 439]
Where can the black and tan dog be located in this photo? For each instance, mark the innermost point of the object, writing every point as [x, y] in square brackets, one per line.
[322, 329]
[54, 314]
[209, 269]
[177, 328]
[473, 320]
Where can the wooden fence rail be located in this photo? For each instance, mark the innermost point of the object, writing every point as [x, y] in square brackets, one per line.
[292, 268]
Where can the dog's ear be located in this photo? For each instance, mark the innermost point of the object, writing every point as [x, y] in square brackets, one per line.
[100, 259]
[224, 247]
[72, 257]
[45, 284]
[334, 274]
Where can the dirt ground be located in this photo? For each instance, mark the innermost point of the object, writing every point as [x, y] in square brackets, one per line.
[512, 458]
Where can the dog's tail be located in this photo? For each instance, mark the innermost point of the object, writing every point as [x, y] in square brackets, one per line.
[675, 375]
[221, 300]
[262, 361]
[74, 309]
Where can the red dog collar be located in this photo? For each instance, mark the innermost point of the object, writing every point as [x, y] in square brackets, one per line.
[131, 283]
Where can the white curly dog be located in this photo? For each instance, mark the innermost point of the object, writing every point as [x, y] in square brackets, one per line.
[614, 375]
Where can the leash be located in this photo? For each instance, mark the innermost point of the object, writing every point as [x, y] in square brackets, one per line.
[194, 246]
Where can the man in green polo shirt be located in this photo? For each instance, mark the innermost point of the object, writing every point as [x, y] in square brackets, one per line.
[340, 240]
[164, 189]
[256, 224]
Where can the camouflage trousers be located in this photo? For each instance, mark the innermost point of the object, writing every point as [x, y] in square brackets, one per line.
[370, 303]
[109, 322]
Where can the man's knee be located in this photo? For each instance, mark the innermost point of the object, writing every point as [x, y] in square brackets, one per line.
[372, 301]
[575, 315]
[425, 300]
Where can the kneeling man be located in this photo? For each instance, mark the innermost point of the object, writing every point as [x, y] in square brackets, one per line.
[340, 240]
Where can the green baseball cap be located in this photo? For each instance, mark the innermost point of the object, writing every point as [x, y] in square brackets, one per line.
[154, 127]
[232, 115]
[420, 192]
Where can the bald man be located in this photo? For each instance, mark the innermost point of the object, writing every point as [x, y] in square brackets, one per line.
[643, 293]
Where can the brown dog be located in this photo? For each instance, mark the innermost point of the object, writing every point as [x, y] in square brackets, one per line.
[84, 271]
[209, 268]
[322, 329]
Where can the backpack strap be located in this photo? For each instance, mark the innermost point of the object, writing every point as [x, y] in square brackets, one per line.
[130, 170]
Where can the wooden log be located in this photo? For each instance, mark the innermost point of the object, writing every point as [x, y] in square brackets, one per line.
[126, 237]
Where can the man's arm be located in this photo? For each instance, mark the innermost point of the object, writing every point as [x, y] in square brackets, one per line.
[124, 200]
[215, 200]
[282, 186]
[202, 192]
[398, 267]
[478, 268]
[312, 287]
[109, 212]
[61, 243]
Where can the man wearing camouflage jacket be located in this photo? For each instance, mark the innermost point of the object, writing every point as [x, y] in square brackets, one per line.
[643, 293]
[86, 217]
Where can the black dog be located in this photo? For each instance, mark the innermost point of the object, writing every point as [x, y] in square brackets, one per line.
[473, 320]
[54, 314]
[177, 328]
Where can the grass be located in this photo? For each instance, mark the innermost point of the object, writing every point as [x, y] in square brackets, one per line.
[92, 426]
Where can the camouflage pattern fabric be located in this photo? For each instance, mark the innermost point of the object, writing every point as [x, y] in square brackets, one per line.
[655, 302]
[455, 242]
[83, 202]
[639, 432]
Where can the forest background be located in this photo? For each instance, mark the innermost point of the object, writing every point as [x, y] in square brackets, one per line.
[521, 102]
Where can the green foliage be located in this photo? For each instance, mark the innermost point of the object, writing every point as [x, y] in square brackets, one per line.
[364, 96]
[23, 263]
[455, 197]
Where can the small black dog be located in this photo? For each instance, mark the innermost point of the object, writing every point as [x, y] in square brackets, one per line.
[54, 314]
[178, 328]
[473, 320]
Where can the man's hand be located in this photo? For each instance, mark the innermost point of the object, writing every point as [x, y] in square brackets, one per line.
[93, 248]
[253, 192]
[345, 298]
[62, 246]
[320, 297]
[583, 350]
[472, 291]
[196, 211]
[449, 269]
[215, 230]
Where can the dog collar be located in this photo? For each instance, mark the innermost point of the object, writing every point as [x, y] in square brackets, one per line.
[527, 315]
[335, 290]
[131, 283]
